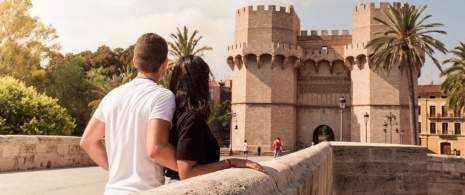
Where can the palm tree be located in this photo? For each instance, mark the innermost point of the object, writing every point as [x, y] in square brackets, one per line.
[402, 46]
[454, 84]
[183, 44]
[128, 73]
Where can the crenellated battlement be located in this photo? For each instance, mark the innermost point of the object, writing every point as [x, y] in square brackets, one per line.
[270, 8]
[324, 33]
[355, 46]
[262, 46]
[372, 7]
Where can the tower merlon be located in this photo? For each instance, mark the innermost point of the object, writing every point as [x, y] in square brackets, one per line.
[262, 46]
[372, 7]
[324, 33]
[355, 46]
[261, 8]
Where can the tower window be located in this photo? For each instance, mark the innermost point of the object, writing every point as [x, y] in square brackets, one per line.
[324, 49]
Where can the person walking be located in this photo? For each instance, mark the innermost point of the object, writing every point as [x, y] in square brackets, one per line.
[277, 147]
[135, 120]
[197, 150]
[246, 150]
[259, 150]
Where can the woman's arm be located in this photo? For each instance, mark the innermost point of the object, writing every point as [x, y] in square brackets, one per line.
[188, 169]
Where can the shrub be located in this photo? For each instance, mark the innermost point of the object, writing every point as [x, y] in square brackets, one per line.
[24, 111]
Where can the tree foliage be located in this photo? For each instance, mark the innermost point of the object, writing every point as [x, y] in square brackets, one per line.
[24, 40]
[103, 85]
[402, 45]
[220, 121]
[67, 83]
[454, 84]
[24, 111]
[183, 44]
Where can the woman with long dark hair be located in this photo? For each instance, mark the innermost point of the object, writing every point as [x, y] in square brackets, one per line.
[197, 151]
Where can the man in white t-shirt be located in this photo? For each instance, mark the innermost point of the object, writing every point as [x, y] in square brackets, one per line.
[135, 119]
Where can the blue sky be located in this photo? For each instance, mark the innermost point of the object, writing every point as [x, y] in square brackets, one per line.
[88, 24]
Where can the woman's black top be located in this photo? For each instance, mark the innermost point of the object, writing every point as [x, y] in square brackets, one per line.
[193, 140]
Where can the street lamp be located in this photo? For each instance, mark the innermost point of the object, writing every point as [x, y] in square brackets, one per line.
[365, 118]
[384, 129]
[401, 131]
[342, 105]
[391, 117]
[233, 115]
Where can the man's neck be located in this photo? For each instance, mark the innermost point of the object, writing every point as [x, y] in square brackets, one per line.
[153, 76]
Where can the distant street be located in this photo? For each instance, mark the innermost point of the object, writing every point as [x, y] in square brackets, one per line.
[80, 180]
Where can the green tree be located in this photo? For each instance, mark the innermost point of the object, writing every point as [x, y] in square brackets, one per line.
[24, 40]
[68, 84]
[103, 85]
[220, 121]
[402, 46]
[26, 112]
[454, 84]
[183, 44]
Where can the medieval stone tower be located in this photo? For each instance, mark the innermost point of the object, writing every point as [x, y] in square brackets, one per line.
[287, 82]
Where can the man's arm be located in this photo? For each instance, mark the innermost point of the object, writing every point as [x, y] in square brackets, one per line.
[158, 145]
[91, 142]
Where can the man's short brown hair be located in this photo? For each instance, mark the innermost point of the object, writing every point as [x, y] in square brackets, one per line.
[150, 52]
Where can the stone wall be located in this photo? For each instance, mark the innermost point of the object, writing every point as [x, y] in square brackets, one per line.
[446, 174]
[379, 169]
[328, 168]
[38, 152]
[304, 172]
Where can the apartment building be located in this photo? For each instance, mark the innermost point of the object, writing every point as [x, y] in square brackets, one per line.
[441, 130]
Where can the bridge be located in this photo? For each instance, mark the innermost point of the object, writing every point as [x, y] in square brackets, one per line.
[326, 168]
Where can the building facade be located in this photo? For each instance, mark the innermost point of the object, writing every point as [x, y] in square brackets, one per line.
[441, 130]
[288, 82]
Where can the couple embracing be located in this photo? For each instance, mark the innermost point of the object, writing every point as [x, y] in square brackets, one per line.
[148, 128]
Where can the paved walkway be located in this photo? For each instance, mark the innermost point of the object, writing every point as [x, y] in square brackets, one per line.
[81, 180]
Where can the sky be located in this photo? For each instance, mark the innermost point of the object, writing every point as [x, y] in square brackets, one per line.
[88, 24]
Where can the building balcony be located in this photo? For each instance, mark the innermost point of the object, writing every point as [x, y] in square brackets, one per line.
[445, 115]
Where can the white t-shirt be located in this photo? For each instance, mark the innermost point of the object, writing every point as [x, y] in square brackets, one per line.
[126, 111]
[245, 147]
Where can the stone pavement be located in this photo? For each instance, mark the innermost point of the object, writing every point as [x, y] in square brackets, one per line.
[79, 180]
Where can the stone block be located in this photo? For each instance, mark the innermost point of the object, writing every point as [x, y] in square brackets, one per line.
[345, 154]
[377, 183]
[373, 168]
[397, 167]
[435, 166]
[25, 162]
[414, 183]
[62, 149]
[8, 164]
[41, 148]
[344, 167]
[410, 154]
[10, 151]
[417, 168]
[448, 167]
[27, 149]
[381, 153]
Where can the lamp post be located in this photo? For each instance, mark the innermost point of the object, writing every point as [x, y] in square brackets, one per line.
[233, 115]
[401, 132]
[391, 117]
[342, 105]
[365, 118]
[384, 129]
